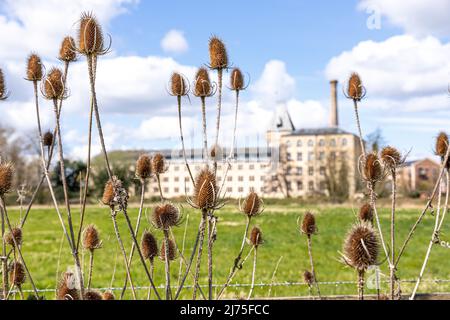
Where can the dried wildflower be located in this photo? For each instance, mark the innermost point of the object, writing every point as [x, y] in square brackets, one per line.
[149, 246]
[115, 194]
[67, 51]
[237, 80]
[47, 139]
[178, 85]
[3, 90]
[203, 86]
[309, 224]
[441, 144]
[17, 234]
[66, 288]
[256, 237]
[372, 168]
[108, 295]
[172, 252]
[366, 213]
[17, 274]
[158, 164]
[93, 295]
[34, 68]
[308, 277]
[217, 54]
[90, 35]
[165, 216]
[391, 157]
[206, 190]
[361, 247]
[108, 194]
[6, 177]
[54, 85]
[355, 88]
[91, 238]
[144, 167]
[253, 205]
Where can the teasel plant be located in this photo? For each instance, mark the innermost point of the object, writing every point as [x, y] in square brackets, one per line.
[360, 251]
[251, 207]
[308, 227]
[255, 240]
[91, 242]
[149, 248]
[442, 147]
[15, 236]
[66, 289]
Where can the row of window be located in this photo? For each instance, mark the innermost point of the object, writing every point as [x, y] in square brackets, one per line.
[300, 186]
[178, 191]
[322, 143]
[219, 167]
[229, 179]
[311, 156]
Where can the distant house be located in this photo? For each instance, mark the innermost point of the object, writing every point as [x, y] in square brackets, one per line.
[418, 175]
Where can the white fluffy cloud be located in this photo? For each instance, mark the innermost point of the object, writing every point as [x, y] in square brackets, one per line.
[174, 42]
[414, 16]
[275, 83]
[402, 72]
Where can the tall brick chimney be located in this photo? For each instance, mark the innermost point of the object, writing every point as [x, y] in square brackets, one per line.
[334, 116]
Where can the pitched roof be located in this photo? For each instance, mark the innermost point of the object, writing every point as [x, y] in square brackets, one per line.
[318, 131]
[281, 120]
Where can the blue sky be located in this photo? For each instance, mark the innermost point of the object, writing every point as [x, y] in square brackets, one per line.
[291, 49]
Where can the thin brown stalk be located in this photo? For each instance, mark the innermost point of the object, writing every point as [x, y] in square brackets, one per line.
[180, 269]
[167, 265]
[200, 250]
[182, 140]
[205, 134]
[311, 261]
[58, 264]
[272, 280]
[219, 110]
[392, 275]
[361, 284]
[91, 268]
[5, 281]
[211, 227]
[152, 267]
[255, 255]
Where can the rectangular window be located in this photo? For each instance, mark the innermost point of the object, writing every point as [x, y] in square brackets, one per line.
[299, 185]
[229, 178]
[299, 156]
[241, 179]
[311, 186]
[300, 171]
[252, 178]
[311, 171]
[322, 171]
[321, 155]
[311, 156]
[252, 167]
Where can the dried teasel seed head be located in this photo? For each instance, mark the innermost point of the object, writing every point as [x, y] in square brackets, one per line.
[3, 90]
[93, 295]
[67, 51]
[144, 167]
[178, 85]
[252, 205]
[165, 216]
[391, 157]
[54, 84]
[308, 277]
[17, 234]
[203, 86]
[47, 139]
[90, 35]
[158, 164]
[17, 274]
[218, 56]
[361, 247]
[441, 144]
[66, 288]
[309, 224]
[6, 177]
[172, 251]
[34, 68]
[237, 80]
[91, 238]
[372, 168]
[206, 190]
[256, 237]
[108, 194]
[355, 88]
[108, 295]
[149, 246]
[366, 213]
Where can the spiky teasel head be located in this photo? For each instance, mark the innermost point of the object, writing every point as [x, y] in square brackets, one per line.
[205, 190]
[158, 164]
[237, 80]
[441, 144]
[17, 274]
[93, 295]
[108, 295]
[178, 86]
[114, 194]
[3, 90]
[165, 216]
[67, 52]
[366, 213]
[53, 85]
[203, 87]
[67, 287]
[372, 169]
[47, 139]
[108, 194]
[144, 167]
[308, 277]
[256, 237]
[391, 157]
[149, 246]
[309, 224]
[172, 251]
[218, 57]
[91, 238]
[6, 177]
[15, 233]
[90, 36]
[34, 68]
[355, 89]
[361, 247]
[252, 205]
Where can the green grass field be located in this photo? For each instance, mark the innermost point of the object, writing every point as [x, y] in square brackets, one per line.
[43, 235]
